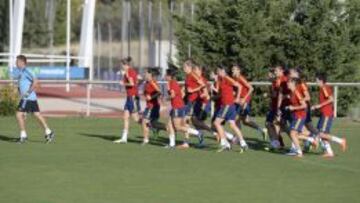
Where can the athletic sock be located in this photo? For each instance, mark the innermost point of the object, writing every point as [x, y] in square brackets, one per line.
[23, 134]
[293, 146]
[328, 148]
[243, 143]
[336, 139]
[124, 135]
[229, 136]
[299, 151]
[193, 131]
[47, 131]
[172, 140]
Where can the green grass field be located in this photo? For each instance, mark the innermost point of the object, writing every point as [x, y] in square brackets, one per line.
[83, 165]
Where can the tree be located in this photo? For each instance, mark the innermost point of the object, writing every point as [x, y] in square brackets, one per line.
[318, 35]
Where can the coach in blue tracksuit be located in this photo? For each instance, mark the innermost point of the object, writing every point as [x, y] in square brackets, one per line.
[27, 84]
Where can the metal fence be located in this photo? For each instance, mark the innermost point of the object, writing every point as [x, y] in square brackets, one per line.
[116, 86]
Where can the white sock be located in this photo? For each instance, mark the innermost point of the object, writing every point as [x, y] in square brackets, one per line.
[336, 139]
[223, 142]
[47, 131]
[243, 143]
[146, 140]
[23, 134]
[172, 140]
[328, 148]
[299, 151]
[293, 145]
[193, 131]
[229, 136]
[124, 135]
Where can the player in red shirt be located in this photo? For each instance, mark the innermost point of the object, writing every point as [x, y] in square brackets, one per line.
[193, 86]
[227, 110]
[327, 114]
[178, 111]
[132, 104]
[243, 107]
[273, 118]
[202, 106]
[217, 106]
[302, 87]
[152, 111]
[297, 107]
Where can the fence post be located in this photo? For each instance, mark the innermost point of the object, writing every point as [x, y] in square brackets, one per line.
[336, 90]
[88, 98]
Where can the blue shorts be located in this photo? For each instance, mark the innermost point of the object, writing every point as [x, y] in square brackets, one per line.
[308, 114]
[152, 114]
[325, 124]
[297, 124]
[270, 116]
[244, 110]
[202, 110]
[132, 104]
[178, 113]
[227, 112]
[189, 108]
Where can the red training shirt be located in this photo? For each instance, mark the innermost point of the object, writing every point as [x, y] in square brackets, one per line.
[131, 90]
[325, 93]
[177, 101]
[151, 88]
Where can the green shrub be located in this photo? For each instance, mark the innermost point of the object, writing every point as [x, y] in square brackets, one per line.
[8, 100]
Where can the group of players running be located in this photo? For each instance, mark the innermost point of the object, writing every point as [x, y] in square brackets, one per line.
[290, 108]
[289, 111]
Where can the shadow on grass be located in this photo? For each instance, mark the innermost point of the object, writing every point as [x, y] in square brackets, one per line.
[8, 139]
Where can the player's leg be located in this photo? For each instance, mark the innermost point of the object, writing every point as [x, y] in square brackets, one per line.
[49, 134]
[171, 132]
[128, 110]
[21, 123]
[252, 124]
[224, 144]
[273, 130]
[296, 126]
[180, 125]
[238, 133]
[145, 125]
[324, 127]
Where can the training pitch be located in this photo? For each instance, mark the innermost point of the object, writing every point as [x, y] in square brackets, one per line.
[83, 165]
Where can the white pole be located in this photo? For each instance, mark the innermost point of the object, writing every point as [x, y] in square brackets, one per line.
[11, 15]
[68, 17]
[336, 91]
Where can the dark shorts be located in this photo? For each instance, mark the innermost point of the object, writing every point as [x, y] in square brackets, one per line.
[325, 124]
[178, 113]
[244, 110]
[189, 108]
[270, 116]
[152, 114]
[132, 104]
[297, 124]
[28, 106]
[202, 110]
[286, 115]
[227, 112]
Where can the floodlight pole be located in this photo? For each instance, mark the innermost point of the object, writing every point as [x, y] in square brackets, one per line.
[11, 16]
[16, 18]
[68, 33]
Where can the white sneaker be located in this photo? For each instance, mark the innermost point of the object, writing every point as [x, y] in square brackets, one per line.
[120, 141]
